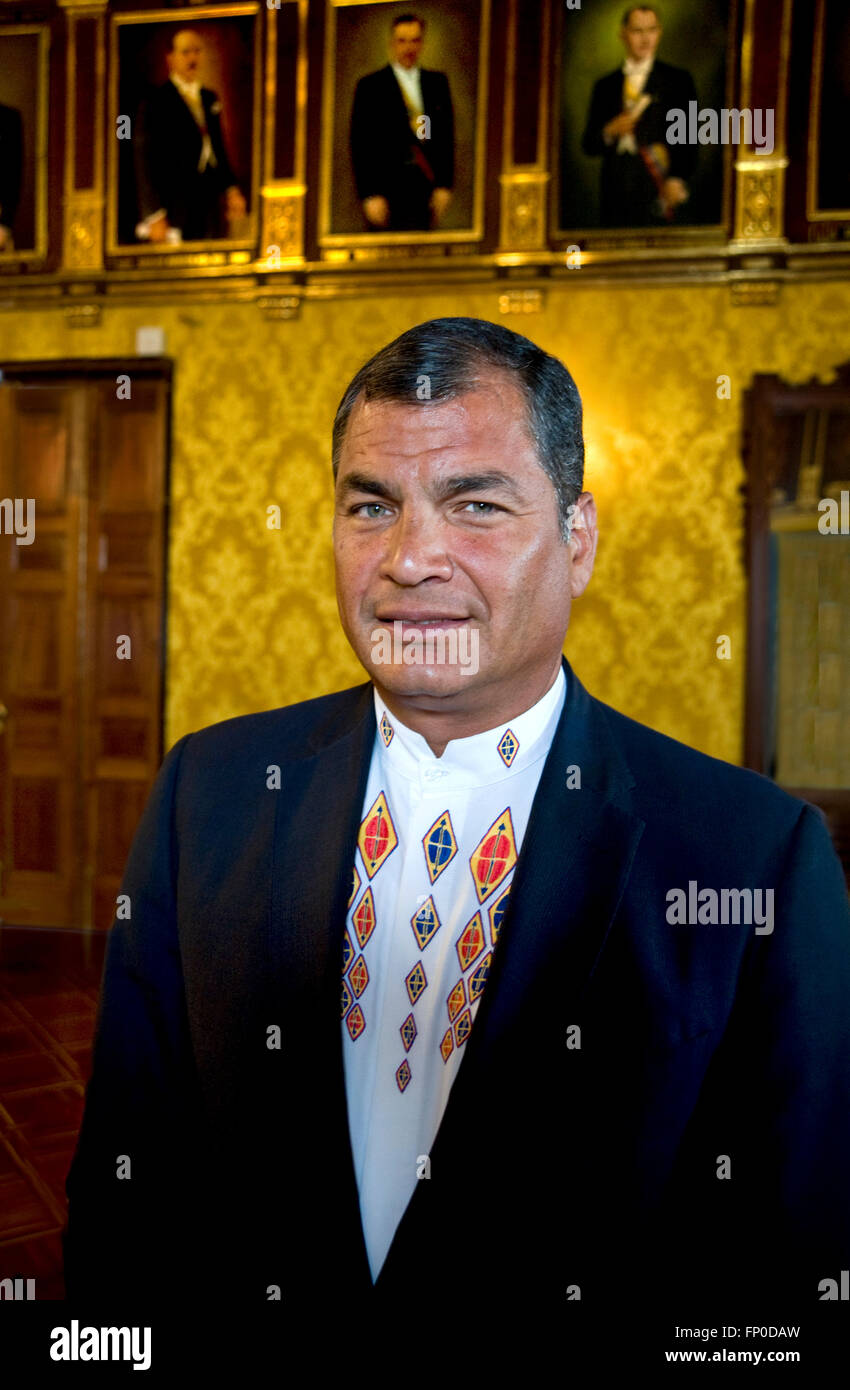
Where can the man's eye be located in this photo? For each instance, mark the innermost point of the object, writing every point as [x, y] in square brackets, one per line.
[363, 509]
[488, 507]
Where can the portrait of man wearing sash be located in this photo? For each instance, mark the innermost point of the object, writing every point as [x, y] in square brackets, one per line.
[402, 137]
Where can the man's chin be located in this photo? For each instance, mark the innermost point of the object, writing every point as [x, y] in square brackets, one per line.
[438, 682]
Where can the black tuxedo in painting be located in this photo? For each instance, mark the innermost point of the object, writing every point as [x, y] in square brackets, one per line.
[389, 159]
[167, 148]
[628, 195]
[11, 164]
[555, 1166]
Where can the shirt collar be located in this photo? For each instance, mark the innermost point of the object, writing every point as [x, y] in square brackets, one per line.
[481, 759]
[638, 67]
[405, 74]
[192, 89]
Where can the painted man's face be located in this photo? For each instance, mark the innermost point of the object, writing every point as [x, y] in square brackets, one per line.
[406, 44]
[184, 60]
[641, 34]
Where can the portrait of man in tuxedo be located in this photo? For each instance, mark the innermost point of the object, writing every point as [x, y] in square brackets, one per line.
[402, 137]
[460, 979]
[644, 181]
[185, 185]
[11, 170]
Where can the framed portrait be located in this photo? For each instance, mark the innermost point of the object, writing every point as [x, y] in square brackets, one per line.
[184, 130]
[638, 121]
[23, 143]
[404, 123]
[828, 165]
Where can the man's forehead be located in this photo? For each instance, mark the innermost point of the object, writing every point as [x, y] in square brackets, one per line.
[398, 427]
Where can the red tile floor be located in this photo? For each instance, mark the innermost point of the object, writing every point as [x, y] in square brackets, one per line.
[49, 984]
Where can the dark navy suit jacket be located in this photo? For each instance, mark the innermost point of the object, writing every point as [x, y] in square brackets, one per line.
[555, 1168]
[381, 137]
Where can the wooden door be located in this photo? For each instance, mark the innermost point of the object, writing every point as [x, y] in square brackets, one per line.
[83, 447]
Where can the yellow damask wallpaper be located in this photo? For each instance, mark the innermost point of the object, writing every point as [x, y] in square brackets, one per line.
[252, 613]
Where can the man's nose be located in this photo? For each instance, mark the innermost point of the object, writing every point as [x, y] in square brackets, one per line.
[416, 549]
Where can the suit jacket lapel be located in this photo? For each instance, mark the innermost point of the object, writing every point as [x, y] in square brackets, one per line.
[322, 795]
[575, 860]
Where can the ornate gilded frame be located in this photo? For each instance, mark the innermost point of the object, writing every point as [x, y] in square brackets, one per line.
[617, 240]
[187, 253]
[34, 257]
[342, 246]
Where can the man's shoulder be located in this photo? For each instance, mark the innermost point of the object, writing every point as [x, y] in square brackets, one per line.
[676, 782]
[379, 78]
[666, 72]
[293, 731]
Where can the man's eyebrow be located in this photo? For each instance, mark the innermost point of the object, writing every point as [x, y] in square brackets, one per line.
[477, 482]
[443, 489]
[363, 482]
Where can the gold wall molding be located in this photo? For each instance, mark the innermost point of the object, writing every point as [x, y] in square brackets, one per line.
[750, 294]
[759, 198]
[523, 211]
[82, 315]
[276, 307]
[83, 243]
[283, 224]
[521, 302]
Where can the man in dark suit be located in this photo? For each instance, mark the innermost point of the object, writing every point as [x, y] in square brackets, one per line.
[182, 170]
[582, 1043]
[11, 167]
[644, 180]
[402, 137]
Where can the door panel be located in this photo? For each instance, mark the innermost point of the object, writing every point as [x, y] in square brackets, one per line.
[81, 740]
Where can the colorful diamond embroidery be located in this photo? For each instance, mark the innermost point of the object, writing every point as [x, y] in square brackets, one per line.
[478, 978]
[425, 923]
[463, 1028]
[494, 856]
[402, 1075]
[355, 1022]
[508, 747]
[440, 846]
[376, 838]
[359, 976]
[387, 730]
[470, 943]
[355, 884]
[456, 1001]
[363, 918]
[496, 914]
[347, 998]
[415, 982]
[347, 952]
[408, 1032]
[447, 1046]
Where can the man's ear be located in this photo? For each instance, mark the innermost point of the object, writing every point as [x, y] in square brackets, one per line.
[583, 541]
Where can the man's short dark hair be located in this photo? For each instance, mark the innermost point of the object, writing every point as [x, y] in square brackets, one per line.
[407, 19]
[631, 10]
[450, 355]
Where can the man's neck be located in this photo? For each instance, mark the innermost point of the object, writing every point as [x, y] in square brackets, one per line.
[439, 721]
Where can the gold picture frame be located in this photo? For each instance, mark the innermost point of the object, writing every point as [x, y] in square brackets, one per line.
[469, 86]
[24, 84]
[212, 251]
[591, 233]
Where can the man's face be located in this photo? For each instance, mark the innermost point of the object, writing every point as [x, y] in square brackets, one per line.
[406, 44]
[444, 519]
[185, 56]
[641, 34]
